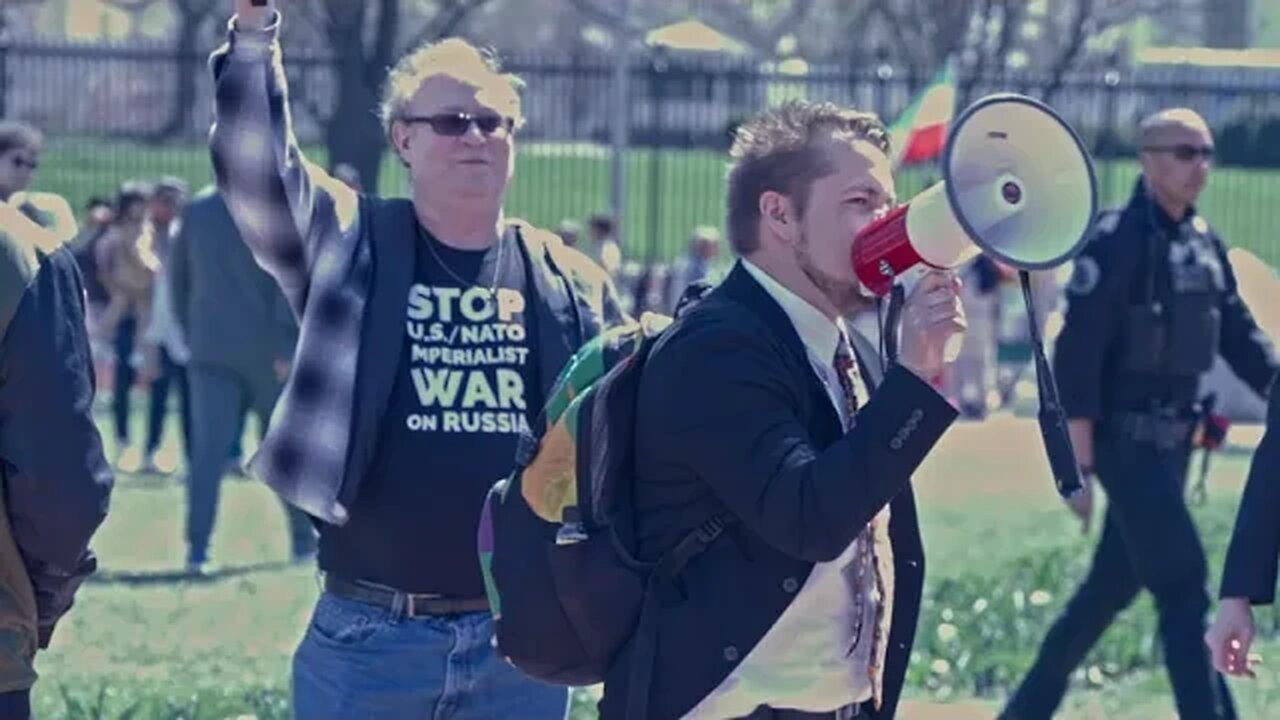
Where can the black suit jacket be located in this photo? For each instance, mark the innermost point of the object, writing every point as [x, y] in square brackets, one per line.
[732, 416]
[1250, 570]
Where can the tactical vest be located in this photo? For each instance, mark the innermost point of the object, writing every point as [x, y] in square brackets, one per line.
[1174, 330]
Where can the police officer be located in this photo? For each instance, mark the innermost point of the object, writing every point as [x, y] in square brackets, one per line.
[1151, 301]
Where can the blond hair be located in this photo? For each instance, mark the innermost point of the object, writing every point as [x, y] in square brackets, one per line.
[456, 58]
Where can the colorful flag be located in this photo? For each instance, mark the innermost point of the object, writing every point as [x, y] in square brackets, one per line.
[921, 130]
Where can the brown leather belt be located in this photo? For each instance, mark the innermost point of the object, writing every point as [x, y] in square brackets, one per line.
[411, 604]
[848, 712]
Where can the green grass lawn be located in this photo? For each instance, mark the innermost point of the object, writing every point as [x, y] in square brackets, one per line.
[554, 182]
[994, 530]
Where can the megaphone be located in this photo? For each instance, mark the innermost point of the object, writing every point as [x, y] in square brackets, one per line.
[1018, 185]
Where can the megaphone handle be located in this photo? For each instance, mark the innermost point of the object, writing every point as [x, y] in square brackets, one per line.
[1053, 419]
[889, 334]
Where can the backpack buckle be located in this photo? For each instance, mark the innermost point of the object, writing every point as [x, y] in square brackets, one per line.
[710, 530]
[526, 449]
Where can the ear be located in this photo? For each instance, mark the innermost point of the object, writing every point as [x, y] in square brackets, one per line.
[400, 138]
[777, 216]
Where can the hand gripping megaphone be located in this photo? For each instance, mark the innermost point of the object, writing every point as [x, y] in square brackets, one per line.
[1018, 185]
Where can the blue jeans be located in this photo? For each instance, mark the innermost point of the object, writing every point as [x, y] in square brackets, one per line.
[359, 660]
[219, 401]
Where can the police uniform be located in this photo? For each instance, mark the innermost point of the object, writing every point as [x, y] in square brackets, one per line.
[1152, 300]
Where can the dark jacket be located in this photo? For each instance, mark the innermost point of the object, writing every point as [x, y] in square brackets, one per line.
[56, 482]
[232, 313]
[1250, 570]
[731, 416]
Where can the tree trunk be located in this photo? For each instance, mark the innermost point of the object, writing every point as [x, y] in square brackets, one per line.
[354, 133]
[1227, 23]
[186, 69]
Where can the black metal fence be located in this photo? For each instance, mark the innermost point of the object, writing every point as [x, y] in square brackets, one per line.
[114, 113]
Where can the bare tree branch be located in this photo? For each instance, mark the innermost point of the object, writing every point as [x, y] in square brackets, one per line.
[446, 21]
[129, 6]
[1082, 24]
[194, 7]
[384, 42]
[313, 14]
[898, 25]
[855, 24]
[736, 18]
[298, 94]
[981, 52]
[606, 17]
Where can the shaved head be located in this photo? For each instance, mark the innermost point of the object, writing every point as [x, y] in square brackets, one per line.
[1159, 124]
[1176, 151]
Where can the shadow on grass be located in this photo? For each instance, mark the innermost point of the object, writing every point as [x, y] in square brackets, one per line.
[168, 577]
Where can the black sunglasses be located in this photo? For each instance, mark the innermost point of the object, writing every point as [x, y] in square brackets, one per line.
[1183, 152]
[458, 123]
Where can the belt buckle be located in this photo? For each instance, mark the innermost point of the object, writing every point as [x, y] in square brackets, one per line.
[849, 712]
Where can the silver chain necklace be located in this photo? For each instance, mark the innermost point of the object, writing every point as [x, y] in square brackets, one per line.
[497, 265]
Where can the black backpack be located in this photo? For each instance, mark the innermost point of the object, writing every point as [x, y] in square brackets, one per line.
[556, 537]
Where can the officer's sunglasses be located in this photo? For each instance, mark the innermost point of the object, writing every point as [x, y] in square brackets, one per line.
[1183, 152]
[23, 163]
[456, 124]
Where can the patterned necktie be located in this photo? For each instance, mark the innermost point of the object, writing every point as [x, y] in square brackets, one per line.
[847, 368]
[867, 557]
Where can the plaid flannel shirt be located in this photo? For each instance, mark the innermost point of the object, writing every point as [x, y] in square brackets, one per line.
[303, 227]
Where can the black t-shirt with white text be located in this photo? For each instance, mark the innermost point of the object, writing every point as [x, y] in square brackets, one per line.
[457, 408]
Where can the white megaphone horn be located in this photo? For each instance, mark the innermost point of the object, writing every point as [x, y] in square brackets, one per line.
[1017, 184]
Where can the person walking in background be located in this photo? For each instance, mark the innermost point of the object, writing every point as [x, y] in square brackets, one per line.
[127, 265]
[569, 231]
[55, 484]
[972, 378]
[20, 148]
[84, 248]
[1151, 301]
[602, 246]
[165, 348]
[696, 265]
[240, 336]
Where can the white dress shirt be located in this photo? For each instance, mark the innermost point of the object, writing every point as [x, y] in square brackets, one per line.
[804, 661]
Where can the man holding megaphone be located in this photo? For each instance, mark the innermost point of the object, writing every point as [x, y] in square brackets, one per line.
[1151, 302]
[759, 404]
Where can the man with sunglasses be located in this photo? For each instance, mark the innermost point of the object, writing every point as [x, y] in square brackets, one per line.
[1151, 302]
[431, 332]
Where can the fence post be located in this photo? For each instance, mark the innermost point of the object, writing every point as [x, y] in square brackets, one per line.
[884, 73]
[657, 70]
[4, 65]
[621, 122]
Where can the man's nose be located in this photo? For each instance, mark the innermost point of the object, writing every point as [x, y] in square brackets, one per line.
[473, 135]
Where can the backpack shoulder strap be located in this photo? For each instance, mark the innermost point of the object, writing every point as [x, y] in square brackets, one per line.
[644, 650]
